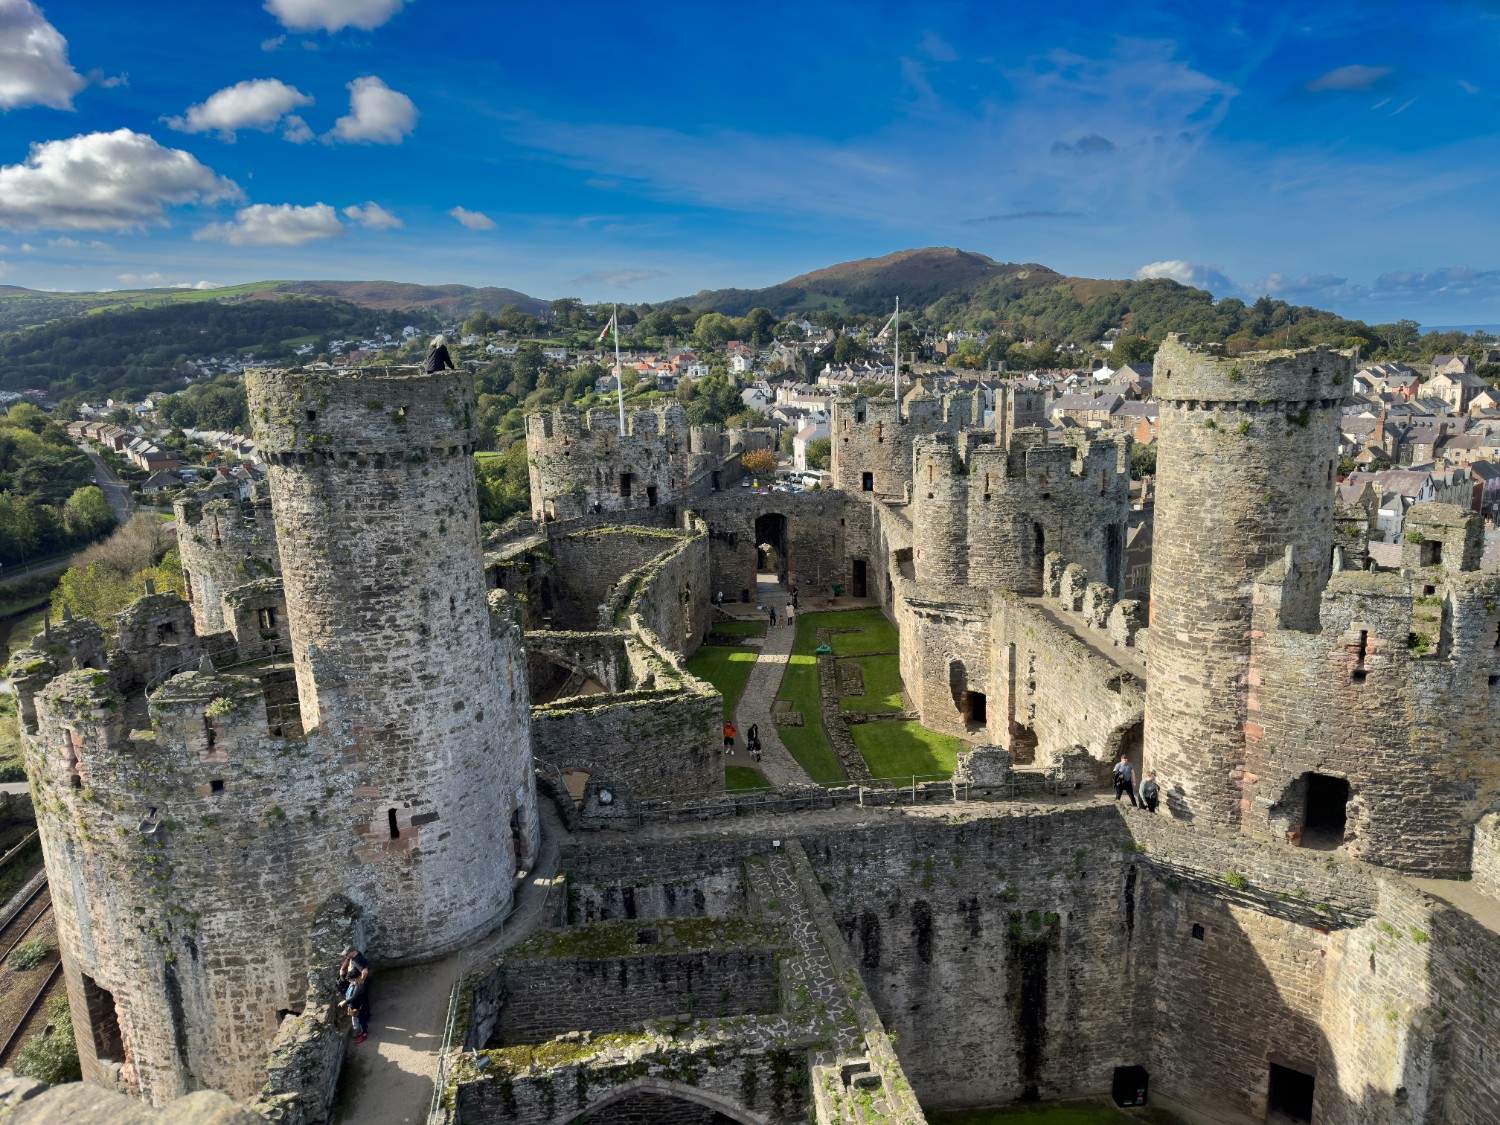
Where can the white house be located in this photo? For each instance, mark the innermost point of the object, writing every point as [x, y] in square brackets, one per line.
[806, 436]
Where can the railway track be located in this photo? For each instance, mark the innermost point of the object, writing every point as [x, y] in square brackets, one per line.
[37, 906]
[33, 911]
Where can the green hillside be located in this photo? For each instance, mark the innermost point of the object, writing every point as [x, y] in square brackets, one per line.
[26, 308]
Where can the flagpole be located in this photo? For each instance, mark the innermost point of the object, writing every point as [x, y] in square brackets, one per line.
[619, 371]
[896, 374]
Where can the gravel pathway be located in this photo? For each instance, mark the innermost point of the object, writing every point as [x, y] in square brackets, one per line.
[755, 704]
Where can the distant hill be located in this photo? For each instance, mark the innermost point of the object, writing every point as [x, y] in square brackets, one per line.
[24, 308]
[962, 289]
[871, 285]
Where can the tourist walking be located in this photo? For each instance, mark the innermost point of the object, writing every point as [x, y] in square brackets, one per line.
[728, 738]
[793, 593]
[1125, 780]
[771, 615]
[1150, 792]
[354, 983]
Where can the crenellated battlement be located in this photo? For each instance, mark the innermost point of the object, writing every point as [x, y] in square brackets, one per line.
[1185, 372]
[985, 514]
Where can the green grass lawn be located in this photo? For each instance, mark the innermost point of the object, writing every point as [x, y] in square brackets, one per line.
[735, 627]
[901, 749]
[882, 685]
[727, 667]
[799, 686]
[12, 767]
[744, 777]
[875, 632]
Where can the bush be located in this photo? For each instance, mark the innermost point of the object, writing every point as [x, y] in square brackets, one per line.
[52, 1056]
[29, 954]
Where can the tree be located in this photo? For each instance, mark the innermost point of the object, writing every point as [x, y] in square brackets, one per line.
[759, 326]
[504, 484]
[87, 514]
[480, 324]
[512, 319]
[819, 453]
[758, 461]
[1134, 348]
[1142, 461]
[714, 329]
[18, 528]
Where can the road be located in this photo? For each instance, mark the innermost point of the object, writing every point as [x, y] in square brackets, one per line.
[116, 491]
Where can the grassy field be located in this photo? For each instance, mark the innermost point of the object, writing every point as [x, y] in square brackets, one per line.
[799, 687]
[18, 632]
[903, 749]
[882, 685]
[874, 631]
[744, 777]
[727, 667]
[12, 766]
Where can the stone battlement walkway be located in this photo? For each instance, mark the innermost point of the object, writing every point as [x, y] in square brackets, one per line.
[387, 1080]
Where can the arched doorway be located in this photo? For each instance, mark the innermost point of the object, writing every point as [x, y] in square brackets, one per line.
[771, 544]
[653, 1099]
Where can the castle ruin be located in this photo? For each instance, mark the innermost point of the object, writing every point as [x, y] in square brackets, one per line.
[345, 733]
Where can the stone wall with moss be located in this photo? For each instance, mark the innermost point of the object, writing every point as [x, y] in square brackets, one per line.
[224, 541]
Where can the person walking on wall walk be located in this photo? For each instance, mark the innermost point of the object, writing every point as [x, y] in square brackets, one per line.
[1150, 792]
[354, 983]
[1125, 780]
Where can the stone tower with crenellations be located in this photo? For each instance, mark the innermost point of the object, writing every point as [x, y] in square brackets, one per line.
[1245, 476]
[201, 848]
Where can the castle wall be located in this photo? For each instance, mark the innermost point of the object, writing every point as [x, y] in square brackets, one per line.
[988, 514]
[994, 950]
[548, 996]
[576, 464]
[670, 596]
[874, 436]
[815, 539]
[1245, 464]
[1393, 693]
[223, 542]
[589, 564]
[372, 485]
[1487, 855]
[654, 743]
[166, 851]
[1054, 689]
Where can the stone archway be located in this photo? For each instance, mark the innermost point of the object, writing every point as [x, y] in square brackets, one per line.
[653, 1095]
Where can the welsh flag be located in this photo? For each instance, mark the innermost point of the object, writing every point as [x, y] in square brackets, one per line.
[603, 332]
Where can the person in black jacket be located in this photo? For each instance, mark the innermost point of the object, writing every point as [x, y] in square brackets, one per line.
[438, 358]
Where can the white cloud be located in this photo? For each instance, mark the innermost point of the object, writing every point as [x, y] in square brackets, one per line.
[259, 103]
[104, 181]
[377, 115]
[275, 224]
[156, 280]
[1194, 274]
[332, 15]
[372, 215]
[104, 81]
[273, 43]
[66, 243]
[1354, 77]
[474, 220]
[34, 67]
[1467, 86]
[296, 130]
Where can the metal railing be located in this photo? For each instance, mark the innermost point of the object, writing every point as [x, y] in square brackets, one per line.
[436, 1112]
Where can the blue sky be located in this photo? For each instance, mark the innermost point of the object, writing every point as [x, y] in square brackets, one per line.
[1345, 155]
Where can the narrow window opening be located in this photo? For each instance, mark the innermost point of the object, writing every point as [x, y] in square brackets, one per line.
[216, 785]
[208, 728]
[268, 617]
[1198, 931]
[867, 482]
[651, 496]
[1432, 552]
[390, 819]
[166, 631]
[312, 415]
[1360, 671]
[626, 479]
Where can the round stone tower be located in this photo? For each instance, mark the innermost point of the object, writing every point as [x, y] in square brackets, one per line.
[1245, 475]
[224, 541]
[397, 659]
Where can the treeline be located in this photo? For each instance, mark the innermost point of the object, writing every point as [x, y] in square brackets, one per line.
[218, 404]
[47, 503]
[130, 352]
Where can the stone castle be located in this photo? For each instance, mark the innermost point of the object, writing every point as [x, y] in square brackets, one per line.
[364, 724]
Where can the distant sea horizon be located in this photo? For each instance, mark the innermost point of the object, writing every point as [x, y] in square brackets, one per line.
[1491, 329]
